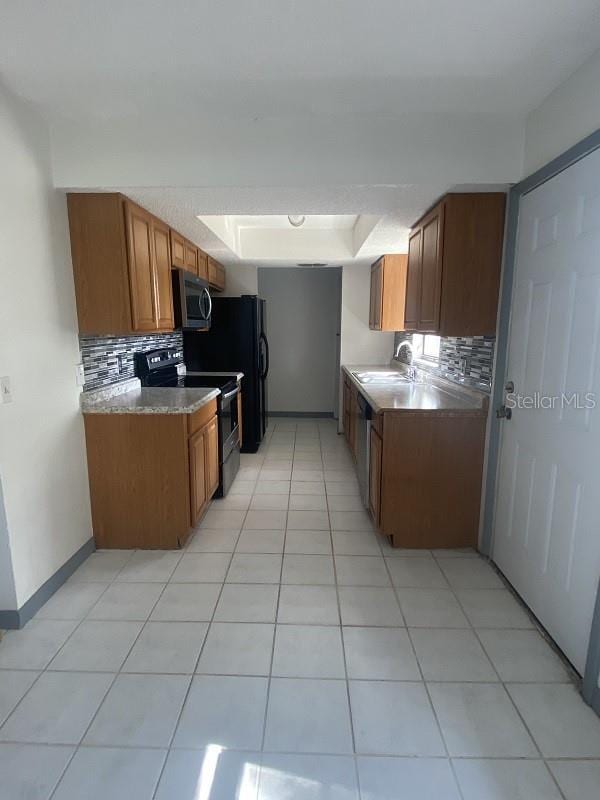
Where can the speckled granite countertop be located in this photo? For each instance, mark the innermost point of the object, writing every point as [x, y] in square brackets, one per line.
[129, 397]
[433, 394]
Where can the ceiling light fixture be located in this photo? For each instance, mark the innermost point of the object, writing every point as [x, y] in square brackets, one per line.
[296, 220]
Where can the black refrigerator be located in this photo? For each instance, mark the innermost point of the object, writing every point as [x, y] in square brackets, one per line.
[236, 342]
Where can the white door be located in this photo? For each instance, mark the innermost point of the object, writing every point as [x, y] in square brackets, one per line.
[547, 523]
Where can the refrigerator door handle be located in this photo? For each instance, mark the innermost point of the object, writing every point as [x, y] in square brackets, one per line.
[266, 343]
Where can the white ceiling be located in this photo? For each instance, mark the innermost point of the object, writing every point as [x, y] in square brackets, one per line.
[281, 222]
[362, 112]
[271, 57]
[385, 215]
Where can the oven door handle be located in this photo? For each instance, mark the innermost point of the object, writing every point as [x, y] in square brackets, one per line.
[230, 394]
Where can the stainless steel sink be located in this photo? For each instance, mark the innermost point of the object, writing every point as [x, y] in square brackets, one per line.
[391, 377]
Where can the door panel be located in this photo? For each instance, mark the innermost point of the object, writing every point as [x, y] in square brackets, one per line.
[548, 494]
[198, 477]
[202, 265]
[164, 288]
[138, 224]
[431, 271]
[413, 281]
[177, 250]
[211, 445]
[375, 474]
[191, 258]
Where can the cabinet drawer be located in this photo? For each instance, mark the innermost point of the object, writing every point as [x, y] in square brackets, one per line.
[201, 417]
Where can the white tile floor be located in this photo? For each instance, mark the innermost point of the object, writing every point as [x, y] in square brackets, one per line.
[288, 653]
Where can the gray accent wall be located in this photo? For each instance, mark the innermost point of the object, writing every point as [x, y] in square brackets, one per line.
[303, 322]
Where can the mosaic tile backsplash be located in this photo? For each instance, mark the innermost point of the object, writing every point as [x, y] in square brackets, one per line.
[464, 359]
[109, 359]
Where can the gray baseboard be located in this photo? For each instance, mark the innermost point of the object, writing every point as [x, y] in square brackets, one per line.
[14, 620]
[308, 414]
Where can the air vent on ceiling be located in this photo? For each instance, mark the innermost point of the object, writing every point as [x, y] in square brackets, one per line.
[312, 264]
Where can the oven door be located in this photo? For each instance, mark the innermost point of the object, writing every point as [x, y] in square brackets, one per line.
[228, 422]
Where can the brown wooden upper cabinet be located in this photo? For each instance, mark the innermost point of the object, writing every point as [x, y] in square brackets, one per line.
[388, 293]
[122, 258]
[177, 250]
[121, 265]
[454, 261]
[185, 255]
[202, 265]
[191, 257]
[216, 274]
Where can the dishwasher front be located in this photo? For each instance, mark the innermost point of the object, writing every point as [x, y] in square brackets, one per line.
[363, 439]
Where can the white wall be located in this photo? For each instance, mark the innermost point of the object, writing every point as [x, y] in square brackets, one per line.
[567, 115]
[240, 279]
[42, 456]
[359, 344]
[8, 598]
[303, 312]
[288, 151]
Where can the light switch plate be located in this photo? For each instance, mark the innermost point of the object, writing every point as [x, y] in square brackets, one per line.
[79, 375]
[5, 390]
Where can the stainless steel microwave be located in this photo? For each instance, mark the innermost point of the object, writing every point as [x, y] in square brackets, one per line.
[191, 301]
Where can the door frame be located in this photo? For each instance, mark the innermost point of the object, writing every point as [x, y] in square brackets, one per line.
[591, 691]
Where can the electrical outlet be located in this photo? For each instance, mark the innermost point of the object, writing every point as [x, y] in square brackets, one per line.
[5, 390]
[79, 375]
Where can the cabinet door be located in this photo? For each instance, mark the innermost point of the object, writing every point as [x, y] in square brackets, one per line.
[353, 419]
[347, 411]
[198, 477]
[211, 456]
[142, 282]
[164, 289]
[212, 271]
[413, 281]
[191, 258]
[431, 270]
[177, 250]
[376, 295]
[376, 448]
[202, 265]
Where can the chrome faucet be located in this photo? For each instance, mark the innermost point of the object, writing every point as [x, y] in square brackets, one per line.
[412, 372]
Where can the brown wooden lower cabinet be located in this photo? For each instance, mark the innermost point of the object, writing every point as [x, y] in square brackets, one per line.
[350, 414]
[376, 450]
[425, 477]
[151, 476]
